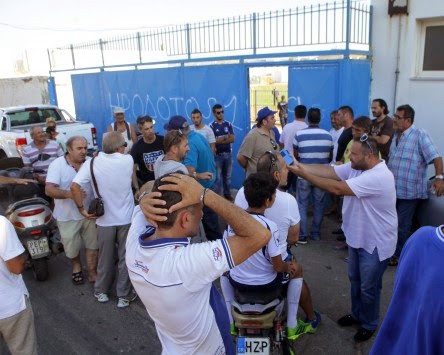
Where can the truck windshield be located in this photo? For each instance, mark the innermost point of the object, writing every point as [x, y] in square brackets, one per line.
[33, 116]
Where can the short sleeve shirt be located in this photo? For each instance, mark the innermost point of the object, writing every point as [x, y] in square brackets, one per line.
[255, 144]
[207, 132]
[258, 268]
[408, 162]
[12, 287]
[222, 129]
[145, 155]
[61, 173]
[40, 159]
[370, 220]
[174, 281]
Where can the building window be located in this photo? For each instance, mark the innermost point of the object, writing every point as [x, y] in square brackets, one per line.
[433, 48]
[430, 59]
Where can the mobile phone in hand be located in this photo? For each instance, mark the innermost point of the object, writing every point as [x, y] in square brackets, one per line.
[287, 157]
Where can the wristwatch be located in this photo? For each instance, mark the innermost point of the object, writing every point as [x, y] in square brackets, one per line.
[439, 177]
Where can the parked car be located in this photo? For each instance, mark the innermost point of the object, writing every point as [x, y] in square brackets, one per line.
[16, 122]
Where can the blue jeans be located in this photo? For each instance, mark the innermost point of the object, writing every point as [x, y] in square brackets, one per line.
[224, 165]
[405, 210]
[307, 194]
[365, 273]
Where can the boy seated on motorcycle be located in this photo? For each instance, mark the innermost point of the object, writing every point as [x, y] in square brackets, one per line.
[265, 270]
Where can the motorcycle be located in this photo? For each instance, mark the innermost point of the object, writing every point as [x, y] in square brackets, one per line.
[259, 318]
[31, 217]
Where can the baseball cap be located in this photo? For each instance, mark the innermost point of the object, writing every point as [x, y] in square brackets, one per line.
[118, 109]
[264, 113]
[176, 122]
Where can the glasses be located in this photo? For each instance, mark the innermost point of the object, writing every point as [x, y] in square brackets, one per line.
[364, 138]
[397, 117]
[273, 143]
[41, 157]
[273, 160]
[219, 112]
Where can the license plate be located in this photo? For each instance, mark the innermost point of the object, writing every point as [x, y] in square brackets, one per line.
[253, 346]
[38, 247]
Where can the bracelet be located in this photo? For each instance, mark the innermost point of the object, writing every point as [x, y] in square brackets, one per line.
[142, 195]
[202, 196]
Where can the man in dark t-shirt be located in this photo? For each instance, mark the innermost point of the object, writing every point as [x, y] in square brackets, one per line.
[382, 127]
[145, 153]
[345, 117]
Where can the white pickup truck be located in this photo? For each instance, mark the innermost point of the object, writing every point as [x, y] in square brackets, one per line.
[16, 122]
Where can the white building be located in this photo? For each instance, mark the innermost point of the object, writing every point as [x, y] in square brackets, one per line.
[400, 73]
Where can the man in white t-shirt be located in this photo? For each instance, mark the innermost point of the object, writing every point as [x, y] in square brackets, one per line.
[203, 129]
[285, 213]
[16, 316]
[112, 170]
[369, 224]
[74, 228]
[174, 278]
[266, 269]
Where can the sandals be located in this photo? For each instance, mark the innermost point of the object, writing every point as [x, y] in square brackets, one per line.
[77, 278]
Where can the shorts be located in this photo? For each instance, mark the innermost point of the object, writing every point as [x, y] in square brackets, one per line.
[73, 233]
[280, 280]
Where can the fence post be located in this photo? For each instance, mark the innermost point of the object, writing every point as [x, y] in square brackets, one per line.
[71, 47]
[347, 31]
[254, 33]
[188, 40]
[139, 47]
[101, 52]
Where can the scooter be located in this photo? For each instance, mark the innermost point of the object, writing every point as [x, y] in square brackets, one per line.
[259, 318]
[32, 219]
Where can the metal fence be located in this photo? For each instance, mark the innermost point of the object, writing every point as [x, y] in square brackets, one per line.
[342, 27]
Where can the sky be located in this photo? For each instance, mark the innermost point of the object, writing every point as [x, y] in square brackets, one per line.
[35, 26]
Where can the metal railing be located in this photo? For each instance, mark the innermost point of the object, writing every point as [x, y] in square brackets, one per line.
[342, 27]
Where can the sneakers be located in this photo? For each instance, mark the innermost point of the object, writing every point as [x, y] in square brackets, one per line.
[125, 301]
[101, 297]
[233, 329]
[300, 329]
[313, 324]
[302, 240]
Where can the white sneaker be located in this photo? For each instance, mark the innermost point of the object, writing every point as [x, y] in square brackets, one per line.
[101, 297]
[125, 301]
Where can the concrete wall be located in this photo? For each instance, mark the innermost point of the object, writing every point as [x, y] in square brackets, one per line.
[425, 95]
[24, 91]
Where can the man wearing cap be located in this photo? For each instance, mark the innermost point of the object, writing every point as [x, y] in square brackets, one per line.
[258, 141]
[199, 160]
[145, 153]
[125, 128]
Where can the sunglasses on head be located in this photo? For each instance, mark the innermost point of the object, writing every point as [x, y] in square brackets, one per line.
[273, 160]
[364, 138]
[273, 143]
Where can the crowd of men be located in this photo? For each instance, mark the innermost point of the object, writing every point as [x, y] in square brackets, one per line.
[373, 170]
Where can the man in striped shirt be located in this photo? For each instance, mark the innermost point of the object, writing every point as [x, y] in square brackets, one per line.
[312, 145]
[411, 151]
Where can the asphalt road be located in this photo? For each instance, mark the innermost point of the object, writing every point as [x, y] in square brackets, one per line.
[69, 320]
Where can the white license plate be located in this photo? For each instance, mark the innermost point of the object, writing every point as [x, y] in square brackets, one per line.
[253, 346]
[38, 247]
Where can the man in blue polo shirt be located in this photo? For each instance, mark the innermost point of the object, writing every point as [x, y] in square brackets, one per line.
[312, 145]
[199, 160]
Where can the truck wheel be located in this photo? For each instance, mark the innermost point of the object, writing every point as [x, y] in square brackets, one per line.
[40, 269]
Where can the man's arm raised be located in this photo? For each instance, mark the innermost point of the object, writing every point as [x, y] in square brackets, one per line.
[250, 235]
